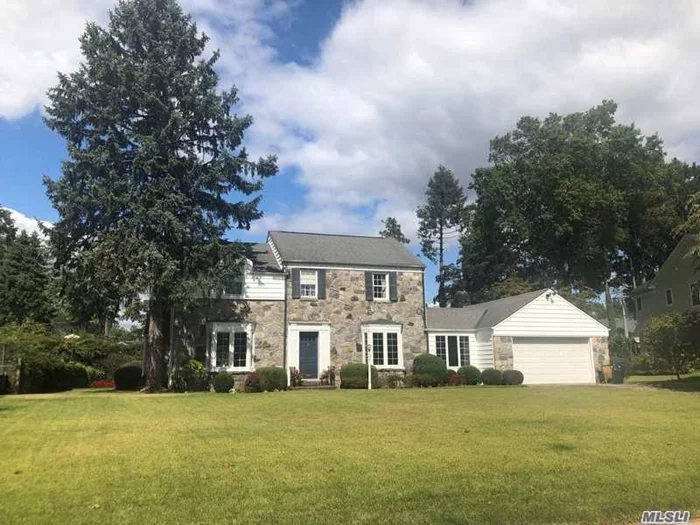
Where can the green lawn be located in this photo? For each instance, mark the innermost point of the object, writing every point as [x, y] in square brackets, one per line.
[687, 382]
[450, 455]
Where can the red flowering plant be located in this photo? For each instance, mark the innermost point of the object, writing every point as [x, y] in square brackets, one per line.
[102, 383]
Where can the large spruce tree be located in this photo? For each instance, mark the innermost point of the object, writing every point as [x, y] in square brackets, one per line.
[154, 152]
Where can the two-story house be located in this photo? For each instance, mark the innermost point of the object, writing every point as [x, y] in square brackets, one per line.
[675, 288]
[311, 301]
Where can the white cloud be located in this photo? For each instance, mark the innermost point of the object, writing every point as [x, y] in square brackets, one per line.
[28, 224]
[402, 85]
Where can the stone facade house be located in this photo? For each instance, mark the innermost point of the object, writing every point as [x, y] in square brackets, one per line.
[310, 302]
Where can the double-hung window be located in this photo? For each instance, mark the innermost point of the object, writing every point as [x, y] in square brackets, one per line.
[308, 284]
[695, 294]
[380, 286]
[384, 345]
[453, 349]
[230, 347]
[234, 286]
[669, 297]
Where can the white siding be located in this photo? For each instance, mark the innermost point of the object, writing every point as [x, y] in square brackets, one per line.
[263, 286]
[550, 317]
[480, 353]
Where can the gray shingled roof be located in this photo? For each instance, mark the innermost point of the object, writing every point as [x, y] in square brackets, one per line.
[262, 257]
[318, 248]
[476, 316]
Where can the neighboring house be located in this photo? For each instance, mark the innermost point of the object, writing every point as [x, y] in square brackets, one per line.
[539, 333]
[675, 288]
[312, 301]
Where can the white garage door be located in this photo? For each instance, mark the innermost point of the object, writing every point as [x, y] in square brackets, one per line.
[553, 359]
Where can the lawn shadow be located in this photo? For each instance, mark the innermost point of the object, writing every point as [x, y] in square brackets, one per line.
[687, 384]
[562, 447]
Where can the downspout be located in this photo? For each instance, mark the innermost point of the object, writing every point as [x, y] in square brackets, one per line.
[285, 328]
[425, 315]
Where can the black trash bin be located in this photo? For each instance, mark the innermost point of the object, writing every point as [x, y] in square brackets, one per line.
[618, 373]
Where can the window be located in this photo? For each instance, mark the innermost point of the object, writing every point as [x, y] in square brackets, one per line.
[464, 350]
[452, 349]
[380, 286]
[639, 304]
[233, 286]
[308, 280]
[229, 348]
[441, 347]
[669, 297]
[695, 294]
[385, 349]
[222, 348]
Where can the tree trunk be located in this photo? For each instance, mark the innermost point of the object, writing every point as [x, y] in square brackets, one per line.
[441, 262]
[609, 308]
[155, 347]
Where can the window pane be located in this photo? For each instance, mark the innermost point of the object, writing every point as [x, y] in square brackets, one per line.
[234, 286]
[307, 277]
[695, 294]
[378, 348]
[392, 349]
[669, 296]
[222, 348]
[452, 350]
[440, 347]
[379, 286]
[240, 349]
[308, 290]
[463, 350]
[639, 304]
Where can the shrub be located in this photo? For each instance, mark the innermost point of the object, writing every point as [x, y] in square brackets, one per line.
[423, 380]
[432, 365]
[513, 377]
[102, 383]
[491, 376]
[223, 382]
[4, 384]
[470, 375]
[191, 377]
[254, 382]
[453, 378]
[673, 341]
[128, 376]
[273, 377]
[354, 375]
[392, 381]
[49, 373]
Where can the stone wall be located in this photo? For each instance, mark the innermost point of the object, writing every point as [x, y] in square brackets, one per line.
[346, 309]
[268, 317]
[503, 352]
[601, 356]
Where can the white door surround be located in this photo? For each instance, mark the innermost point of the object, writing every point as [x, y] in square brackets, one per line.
[324, 344]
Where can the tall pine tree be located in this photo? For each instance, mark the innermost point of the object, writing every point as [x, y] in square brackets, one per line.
[154, 152]
[440, 219]
[392, 230]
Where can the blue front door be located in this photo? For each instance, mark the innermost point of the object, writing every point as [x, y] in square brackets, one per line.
[308, 355]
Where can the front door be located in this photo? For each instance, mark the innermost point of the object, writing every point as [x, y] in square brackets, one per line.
[308, 355]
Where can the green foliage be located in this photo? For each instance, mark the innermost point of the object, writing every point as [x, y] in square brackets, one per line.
[470, 375]
[673, 341]
[48, 373]
[254, 382]
[491, 377]
[392, 380]
[424, 380]
[621, 347]
[223, 383]
[453, 378]
[156, 173]
[191, 377]
[431, 365]
[128, 376]
[440, 218]
[274, 378]
[354, 375]
[392, 230]
[513, 377]
[25, 281]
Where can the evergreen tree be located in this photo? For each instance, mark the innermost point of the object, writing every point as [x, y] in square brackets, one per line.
[392, 230]
[154, 151]
[7, 230]
[24, 281]
[440, 219]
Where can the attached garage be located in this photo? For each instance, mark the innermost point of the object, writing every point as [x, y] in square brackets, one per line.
[548, 339]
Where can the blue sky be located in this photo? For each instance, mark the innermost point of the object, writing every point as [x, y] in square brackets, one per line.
[362, 100]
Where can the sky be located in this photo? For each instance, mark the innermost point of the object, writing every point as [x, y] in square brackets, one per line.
[361, 100]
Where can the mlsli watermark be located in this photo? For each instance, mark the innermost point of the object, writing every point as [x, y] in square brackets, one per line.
[668, 517]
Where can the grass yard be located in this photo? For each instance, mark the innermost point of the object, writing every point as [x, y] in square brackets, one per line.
[687, 382]
[450, 455]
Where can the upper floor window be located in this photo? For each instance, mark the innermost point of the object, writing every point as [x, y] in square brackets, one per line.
[380, 286]
[695, 294]
[453, 349]
[669, 297]
[233, 286]
[308, 283]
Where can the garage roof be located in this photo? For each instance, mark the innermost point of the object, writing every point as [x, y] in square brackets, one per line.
[476, 316]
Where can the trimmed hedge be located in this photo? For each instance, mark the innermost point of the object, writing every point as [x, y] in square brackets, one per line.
[354, 375]
[513, 377]
[453, 378]
[423, 380]
[223, 383]
[254, 382]
[128, 376]
[431, 365]
[274, 377]
[43, 374]
[491, 376]
[470, 375]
